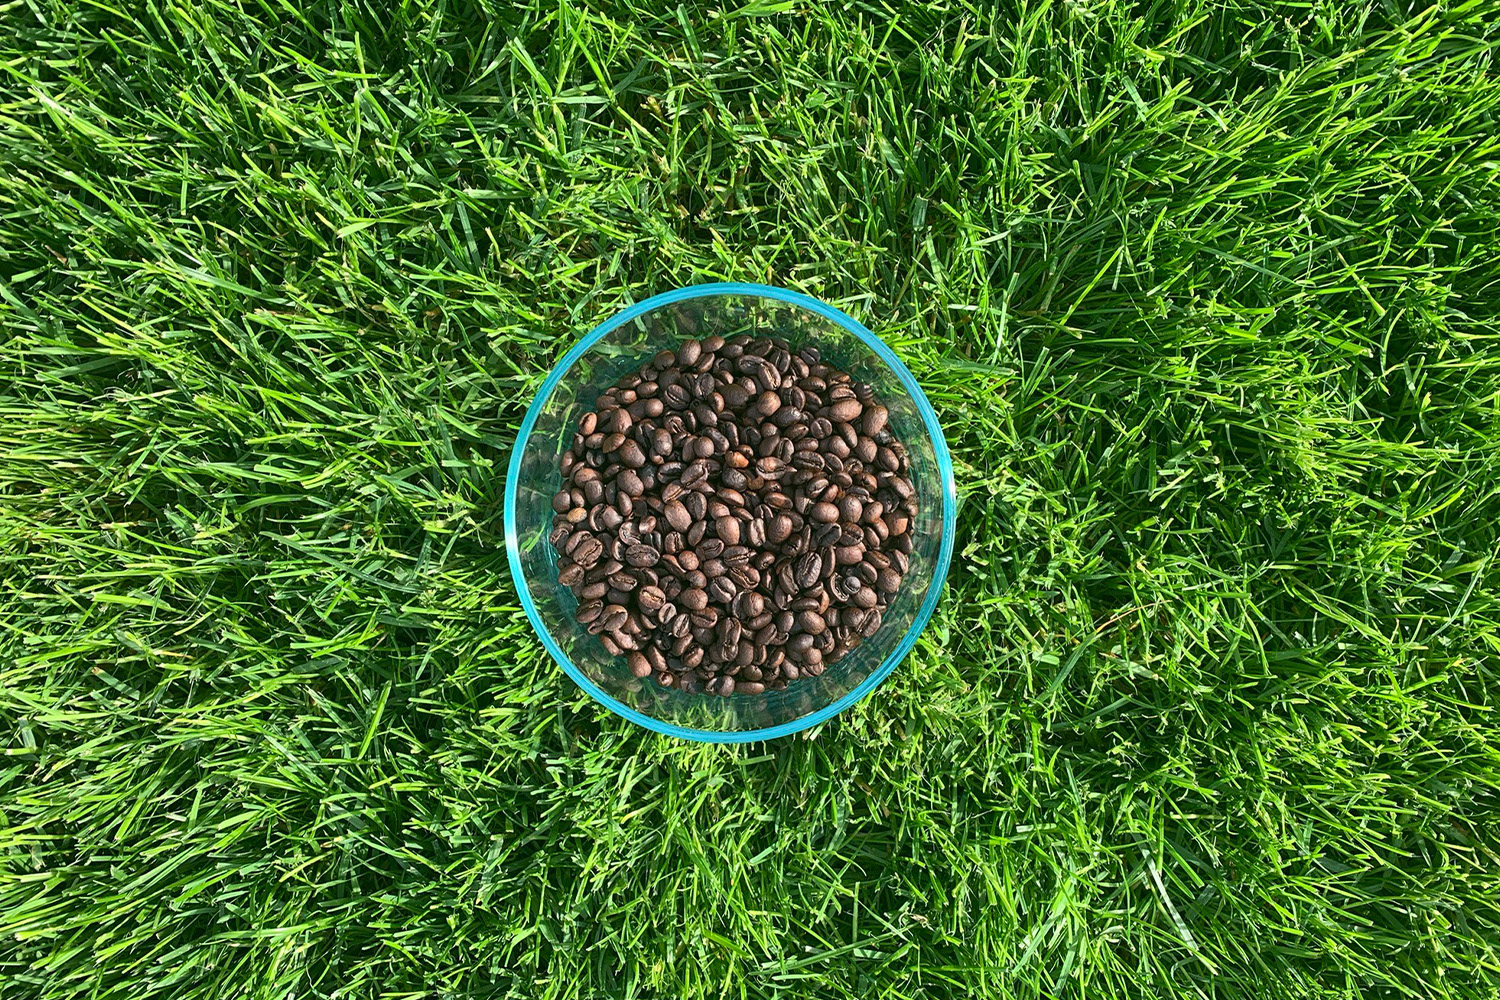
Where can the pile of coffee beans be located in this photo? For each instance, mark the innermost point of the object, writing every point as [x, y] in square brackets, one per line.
[734, 516]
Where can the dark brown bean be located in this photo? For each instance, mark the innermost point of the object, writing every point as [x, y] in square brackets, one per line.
[809, 570]
[677, 515]
[825, 513]
[811, 622]
[728, 529]
[642, 555]
[651, 599]
[845, 411]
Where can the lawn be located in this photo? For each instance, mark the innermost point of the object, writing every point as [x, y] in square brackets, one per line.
[1206, 295]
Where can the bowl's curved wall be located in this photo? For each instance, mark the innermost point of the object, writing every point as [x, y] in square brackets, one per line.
[619, 346]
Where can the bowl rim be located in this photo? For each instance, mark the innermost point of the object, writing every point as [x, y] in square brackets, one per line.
[945, 476]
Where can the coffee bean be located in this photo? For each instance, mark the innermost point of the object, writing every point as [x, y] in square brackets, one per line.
[651, 599]
[728, 529]
[639, 665]
[808, 570]
[629, 483]
[825, 513]
[845, 411]
[811, 622]
[678, 516]
[642, 555]
[748, 605]
[588, 551]
[694, 599]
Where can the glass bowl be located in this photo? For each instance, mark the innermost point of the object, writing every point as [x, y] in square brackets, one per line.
[624, 343]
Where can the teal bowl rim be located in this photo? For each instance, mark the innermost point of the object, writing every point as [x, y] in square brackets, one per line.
[945, 474]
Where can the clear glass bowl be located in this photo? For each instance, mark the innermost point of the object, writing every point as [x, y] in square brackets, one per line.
[624, 343]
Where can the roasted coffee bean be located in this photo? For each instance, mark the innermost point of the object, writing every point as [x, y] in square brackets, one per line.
[722, 589]
[641, 555]
[845, 410]
[733, 517]
[809, 570]
[824, 513]
[749, 604]
[811, 622]
[842, 588]
[651, 599]
[728, 529]
[588, 551]
[678, 516]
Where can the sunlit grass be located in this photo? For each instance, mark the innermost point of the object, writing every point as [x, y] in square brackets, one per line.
[1207, 297]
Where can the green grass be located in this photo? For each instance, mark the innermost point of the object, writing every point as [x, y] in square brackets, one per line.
[1207, 296]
